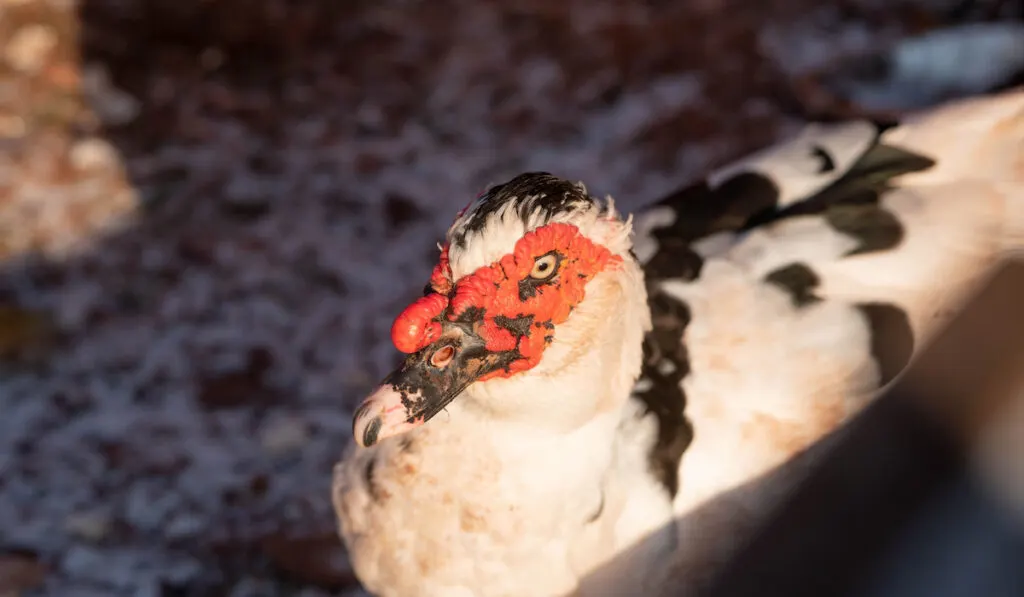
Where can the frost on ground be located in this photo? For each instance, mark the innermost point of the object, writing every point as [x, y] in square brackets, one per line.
[210, 213]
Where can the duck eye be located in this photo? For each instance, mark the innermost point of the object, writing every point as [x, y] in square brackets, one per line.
[442, 356]
[544, 267]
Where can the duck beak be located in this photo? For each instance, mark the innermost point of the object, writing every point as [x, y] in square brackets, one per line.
[425, 383]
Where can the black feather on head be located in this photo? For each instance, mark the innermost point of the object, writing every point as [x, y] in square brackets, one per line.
[525, 194]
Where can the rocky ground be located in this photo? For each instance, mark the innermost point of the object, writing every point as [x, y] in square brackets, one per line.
[210, 211]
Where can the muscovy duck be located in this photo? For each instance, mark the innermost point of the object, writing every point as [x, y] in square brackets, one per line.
[569, 391]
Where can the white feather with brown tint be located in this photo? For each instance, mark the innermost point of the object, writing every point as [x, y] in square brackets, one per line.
[786, 332]
[493, 497]
[770, 378]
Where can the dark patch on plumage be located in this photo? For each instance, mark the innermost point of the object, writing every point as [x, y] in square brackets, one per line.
[729, 206]
[827, 163]
[850, 204]
[799, 280]
[527, 192]
[863, 184]
[881, 163]
[892, 338]
[665, 364]
[674, 260]
[750, 199]
[702, 211]
[875, 228]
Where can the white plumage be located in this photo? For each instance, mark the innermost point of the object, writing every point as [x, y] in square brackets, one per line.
[783, 291]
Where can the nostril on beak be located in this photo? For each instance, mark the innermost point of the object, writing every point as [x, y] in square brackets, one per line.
[442, 356]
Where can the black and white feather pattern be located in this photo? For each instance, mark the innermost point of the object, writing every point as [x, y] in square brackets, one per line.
[787, 288]
[835, 174]
[784, 291]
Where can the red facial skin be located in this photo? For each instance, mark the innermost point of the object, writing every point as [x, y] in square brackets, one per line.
[496, 291]
[441, 278]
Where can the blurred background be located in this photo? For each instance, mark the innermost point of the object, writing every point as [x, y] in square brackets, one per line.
[210, 211]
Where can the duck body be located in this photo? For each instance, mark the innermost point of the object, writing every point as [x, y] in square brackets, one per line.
[731, 326]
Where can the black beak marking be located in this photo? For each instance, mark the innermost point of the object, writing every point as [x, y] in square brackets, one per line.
[360, 411]
[371, 431]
